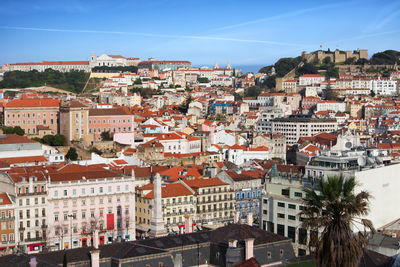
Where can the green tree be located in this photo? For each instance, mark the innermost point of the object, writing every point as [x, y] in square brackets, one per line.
[138, 81]
[270, 82]
[238, 97]
[203, 80]
[13, 130]
[372, 93]
[106, 136]
[362, 61]
[307, 68]
[327, 60]
[335, 208]
[253, 91]
[350, 61]
[284, 65]
[72, 154]
[332, 72]
[388, 57]
[330, 94]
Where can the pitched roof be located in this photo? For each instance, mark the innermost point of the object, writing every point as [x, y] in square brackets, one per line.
[168, 190]
[17, 103]
[108, 112]
[14, 139]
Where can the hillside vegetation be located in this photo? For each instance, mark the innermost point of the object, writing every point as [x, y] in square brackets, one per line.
[73, 81]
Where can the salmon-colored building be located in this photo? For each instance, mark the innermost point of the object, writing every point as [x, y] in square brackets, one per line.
[113, 120]
[30, 113]
[7, 222]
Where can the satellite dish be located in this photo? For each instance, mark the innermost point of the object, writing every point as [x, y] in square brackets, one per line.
[348, 144]
[361, 161]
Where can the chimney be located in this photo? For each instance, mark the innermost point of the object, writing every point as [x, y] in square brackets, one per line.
[178, 260]
[237, 217]
[232, 243]
[249, 248]
[188, 225]
[96, 239]
[250, 219]
[32, 262]
[95, 258]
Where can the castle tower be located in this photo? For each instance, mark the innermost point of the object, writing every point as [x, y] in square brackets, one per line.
[216, 65]
[229, 67]
[157, 228]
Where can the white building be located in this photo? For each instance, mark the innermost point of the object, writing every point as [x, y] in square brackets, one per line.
[82, 199]
[310, 79]
[241, 154]
[296, 127]
[383, 184]
[109, 60]
[384, 86]
[331, 105]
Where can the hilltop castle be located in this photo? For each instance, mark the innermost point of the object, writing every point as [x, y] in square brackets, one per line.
[336, 56]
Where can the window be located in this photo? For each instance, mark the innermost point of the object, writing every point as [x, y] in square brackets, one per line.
[285, 192]
[280, 230]
[291, 217]
[92, 190]
[56, 193]
[65, 193]
[292, 233]
[298, 194]
[101, 189]
[292, 206]
[281, 204]
[281, 215]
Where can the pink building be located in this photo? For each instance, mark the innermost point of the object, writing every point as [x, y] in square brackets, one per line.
[85, 199]
[113, 120]
[31, 113]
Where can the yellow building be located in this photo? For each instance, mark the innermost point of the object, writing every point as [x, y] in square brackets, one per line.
[75, 117]
[214, 204]
[177, 201]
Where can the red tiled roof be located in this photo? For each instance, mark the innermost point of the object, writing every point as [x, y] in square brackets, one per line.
[5, 200]
[33, 103]
[14, 139]
[169, 190]
[198, 183]
[17, 160]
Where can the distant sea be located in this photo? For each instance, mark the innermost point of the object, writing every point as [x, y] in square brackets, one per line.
[249, 68]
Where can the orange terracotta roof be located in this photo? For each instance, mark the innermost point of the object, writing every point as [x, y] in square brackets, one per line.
[17, 103]
[5, 199]
[169, 190]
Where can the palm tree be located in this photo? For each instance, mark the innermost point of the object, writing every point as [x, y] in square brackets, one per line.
[335, 209]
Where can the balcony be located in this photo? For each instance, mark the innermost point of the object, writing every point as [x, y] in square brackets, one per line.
[33, 239]
[21, 228]
[7, 218]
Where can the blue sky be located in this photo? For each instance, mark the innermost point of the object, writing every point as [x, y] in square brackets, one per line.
[244, 32]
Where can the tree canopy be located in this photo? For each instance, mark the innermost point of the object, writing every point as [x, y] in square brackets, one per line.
[388, 57]
[13, 130]
[334, 209]
[307, 68]
[253, 91]
[284, 65]
[73, 81]
[72, 154]
[53, 140]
